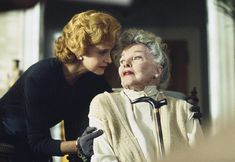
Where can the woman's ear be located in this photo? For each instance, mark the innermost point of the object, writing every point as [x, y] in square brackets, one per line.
[158, 71]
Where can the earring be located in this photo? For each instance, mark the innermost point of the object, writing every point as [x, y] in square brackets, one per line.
[155, 76]
[80, 58]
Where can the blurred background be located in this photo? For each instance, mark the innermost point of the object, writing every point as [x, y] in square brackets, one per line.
[199, 33]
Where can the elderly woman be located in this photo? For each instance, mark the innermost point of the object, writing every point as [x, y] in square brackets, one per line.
[139, 132]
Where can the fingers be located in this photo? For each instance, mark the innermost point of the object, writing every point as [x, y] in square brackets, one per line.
[89, 130]
[86, 140]
[92, 132]
[95, 134]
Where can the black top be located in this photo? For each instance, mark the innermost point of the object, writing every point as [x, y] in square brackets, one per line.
[44, 98]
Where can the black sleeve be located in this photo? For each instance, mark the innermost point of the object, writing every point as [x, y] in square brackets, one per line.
[88, 86]
[38, 117]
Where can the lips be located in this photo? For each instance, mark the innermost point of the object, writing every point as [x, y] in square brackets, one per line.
[125, 73]
[103, 67]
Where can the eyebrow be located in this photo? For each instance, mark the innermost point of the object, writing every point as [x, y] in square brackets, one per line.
[102, 49]
[137, 51]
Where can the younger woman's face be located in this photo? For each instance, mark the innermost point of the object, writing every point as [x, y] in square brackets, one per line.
[137, 67]
[98, 57]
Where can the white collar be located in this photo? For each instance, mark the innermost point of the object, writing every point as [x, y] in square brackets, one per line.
[150, 91]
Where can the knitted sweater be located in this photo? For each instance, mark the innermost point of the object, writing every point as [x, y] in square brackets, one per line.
[109, 110]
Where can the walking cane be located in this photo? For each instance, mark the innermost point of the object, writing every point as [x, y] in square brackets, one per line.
[155, 105]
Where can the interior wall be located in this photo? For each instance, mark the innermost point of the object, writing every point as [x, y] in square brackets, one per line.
[19, 40]
[13, 50]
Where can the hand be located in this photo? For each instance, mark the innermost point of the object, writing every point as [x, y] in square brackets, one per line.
[86, 140]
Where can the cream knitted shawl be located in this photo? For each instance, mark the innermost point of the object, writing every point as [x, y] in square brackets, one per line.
[108, 108]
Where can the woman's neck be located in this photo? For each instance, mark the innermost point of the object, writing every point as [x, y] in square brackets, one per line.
[73, 71]
[139, 87]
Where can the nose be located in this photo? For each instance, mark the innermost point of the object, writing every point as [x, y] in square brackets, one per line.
[108, 59]
[127, 64]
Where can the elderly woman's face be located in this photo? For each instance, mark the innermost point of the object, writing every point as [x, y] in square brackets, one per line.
[137, 67]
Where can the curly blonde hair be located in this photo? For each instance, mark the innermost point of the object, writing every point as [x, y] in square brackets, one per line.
[85, 29]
